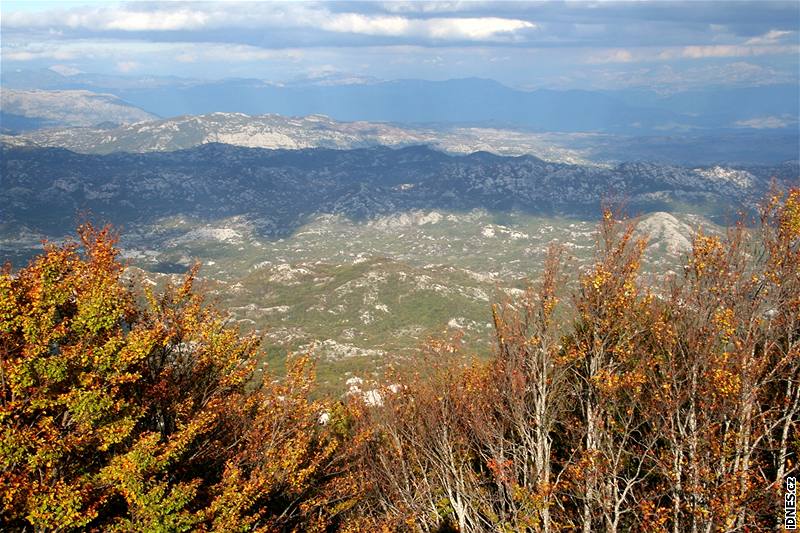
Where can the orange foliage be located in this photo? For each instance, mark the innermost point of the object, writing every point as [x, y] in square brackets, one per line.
[123, 416]
[632, 406]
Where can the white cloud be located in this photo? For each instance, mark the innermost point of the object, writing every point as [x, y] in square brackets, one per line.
[724, 50]
[120, 51]
[652, 54]
[267, 15]
[771, 37]
[554, 44]
[367, 25]
[433, 7]
[186, 57]
[59, 54]
[470, 29]
[664, 78]
[110, 18]
[237, 53]
[66, 70]
[611, 56]
[477, 29]
[127, 66]
[183, 19]
[763, 123]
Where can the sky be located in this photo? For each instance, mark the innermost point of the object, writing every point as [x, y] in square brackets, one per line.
[655, 45]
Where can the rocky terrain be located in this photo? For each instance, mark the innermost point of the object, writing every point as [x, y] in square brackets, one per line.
[315, 131]
[279, 190]
[739, 147]
[358, 254]
[365, 294]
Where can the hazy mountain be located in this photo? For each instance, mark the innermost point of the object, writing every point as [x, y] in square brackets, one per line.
[462, 101]
[49, 79]
[11, 123]
[23, 110]
[465, 101]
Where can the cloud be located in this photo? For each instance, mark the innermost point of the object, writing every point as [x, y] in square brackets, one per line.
[121, 51]
[432, 7]
[611, 56]
[355, 23]
[771, 37]
[177, 18]
[127, 66]
[519, 43]
[622, 25]
[110, 18]
[698, 52]
[65, 70]
[666, 78]
[187, 57]
[183, 19]
[242, 53]
[58, 54]
[478, 29]
[763, 123]
[474, 28]
[656, 54]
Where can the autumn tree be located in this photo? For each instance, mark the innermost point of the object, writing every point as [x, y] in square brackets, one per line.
[728, 373]
[661, 404]
[516, 428]
[416, 460]
[137, 411]
[467, 444]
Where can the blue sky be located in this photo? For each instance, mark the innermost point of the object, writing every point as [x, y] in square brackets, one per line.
[660, 45]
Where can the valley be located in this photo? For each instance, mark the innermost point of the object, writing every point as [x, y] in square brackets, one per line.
[359, 241]
[359, 255]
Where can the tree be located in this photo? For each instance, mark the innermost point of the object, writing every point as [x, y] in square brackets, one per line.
[665, 406]
[134, 411]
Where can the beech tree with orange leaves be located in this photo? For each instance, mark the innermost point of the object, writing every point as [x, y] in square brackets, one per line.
[728, 359]
[607, 349]
[121, 415]
[666, 405]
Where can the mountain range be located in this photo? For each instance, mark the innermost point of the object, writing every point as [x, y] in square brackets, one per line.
[467, 101]
[741, 147]
[280, 132]
[359, 234]
[44, 188]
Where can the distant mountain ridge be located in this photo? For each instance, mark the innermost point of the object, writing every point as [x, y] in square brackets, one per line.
[264, 131]
[468, 101]
[318, 131]
[45, 188]
[65, 108]
[280, 132]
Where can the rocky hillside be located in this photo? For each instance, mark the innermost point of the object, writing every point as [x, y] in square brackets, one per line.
[281, 189]
[314, 131]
